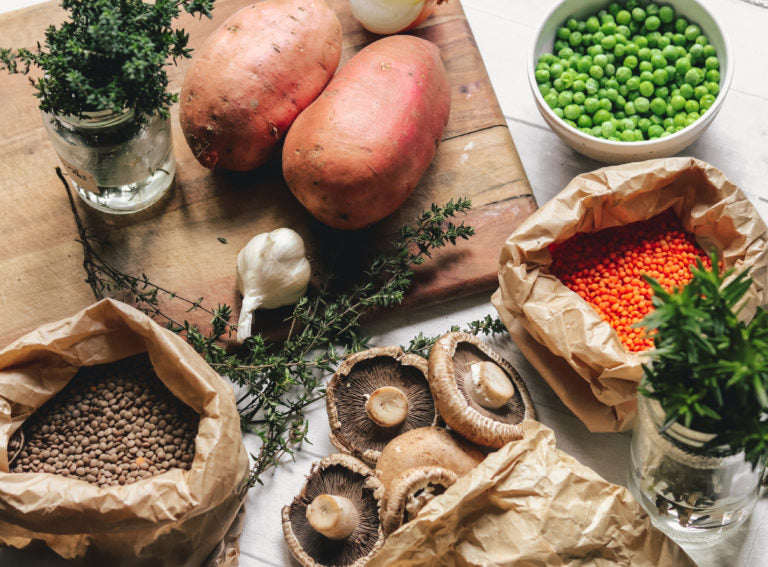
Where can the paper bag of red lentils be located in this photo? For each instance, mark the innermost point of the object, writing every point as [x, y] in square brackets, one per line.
[177, 517]
[575, 348]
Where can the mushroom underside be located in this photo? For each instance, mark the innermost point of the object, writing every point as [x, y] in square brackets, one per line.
[340, 481]
[410, 491]
[467, 354]
[351, 393]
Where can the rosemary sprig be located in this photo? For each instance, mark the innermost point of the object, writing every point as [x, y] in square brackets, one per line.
[278, 380]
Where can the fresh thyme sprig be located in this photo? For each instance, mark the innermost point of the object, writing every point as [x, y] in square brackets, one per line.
[421, 345]
[109, 55]
[278, 380]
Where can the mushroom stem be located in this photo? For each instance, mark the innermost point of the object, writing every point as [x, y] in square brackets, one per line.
[333, 516]
[387, 406]
[490, 386]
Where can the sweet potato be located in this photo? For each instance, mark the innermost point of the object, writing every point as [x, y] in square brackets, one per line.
[357, 152]
[253, 76]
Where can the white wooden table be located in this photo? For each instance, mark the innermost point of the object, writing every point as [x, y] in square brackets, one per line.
[737, 143]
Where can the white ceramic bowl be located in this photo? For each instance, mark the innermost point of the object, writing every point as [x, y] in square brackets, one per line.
[611, 151]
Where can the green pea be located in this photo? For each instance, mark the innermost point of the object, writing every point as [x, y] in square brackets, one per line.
[594, 50]
[629, 95]
[629, 108]
[658, 61]
[638, 14]
[566, 80]
[662, 92]
[579, 86]
[559, 84]
[572, 24]
[654, 131]
[623, 74]
[608, 28]
[609, 70]
[660, 77]
[596, 72]
[564, 98]
[597, 131]
[601, 92]
[551, 100]
[630, 61]
[653, 23]
[556, 70]
[591, 105]
[565, 53]
[666, 14]
[584, 63]
[633, 83]
[691, 106]
[678, 39]
[692, 32]
[632, 48]
[690, 120]
[600, 60]
[608, 42]
[545, 88]
[651, 40]
[706, 101]
[618, 116]
[702, 40]
[608, 128]
[605, 103]
[699, 92]
[677, 102]
[575, 39]
[712, 63]
[668, 123]
[656, 119]
[572, 111]
[620, 101]
[697, 53]
[601, 116]
[611, 83]
[680, 25]
[612, 95]
[643, 124]
[558, 112]
[694, 115]
[614, 8]
[586, 39]
[646, 88]
[622, 33]
[644, 54]
[664, 42]
[709, 50]
[713, 76]
[584, 121]
[686, 90]
[620, 50]
[542, 76]
[642, 104]
[658, 106]
[682, 65]
[712, 87]
[598, 36]
[652, 9]
[679, 119]
[592, 24]
[579, 98]
[693, 76]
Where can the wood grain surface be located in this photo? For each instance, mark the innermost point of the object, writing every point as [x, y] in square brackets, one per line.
[176, 242]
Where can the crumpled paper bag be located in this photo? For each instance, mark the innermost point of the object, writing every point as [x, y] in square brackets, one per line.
[578, 354]
[530, 504]
[176, 518]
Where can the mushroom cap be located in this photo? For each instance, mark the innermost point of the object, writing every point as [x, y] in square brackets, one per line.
[352, 429]
[340, 475]
[449, 366]
[426, 447]
[409, 491]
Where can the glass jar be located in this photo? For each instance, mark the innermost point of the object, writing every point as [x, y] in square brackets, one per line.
[689, 493]
[116, 162]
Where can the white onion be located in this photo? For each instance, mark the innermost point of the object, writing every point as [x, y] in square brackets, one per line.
[390, 16]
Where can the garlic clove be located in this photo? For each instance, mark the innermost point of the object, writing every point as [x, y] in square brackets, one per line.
[272, 271]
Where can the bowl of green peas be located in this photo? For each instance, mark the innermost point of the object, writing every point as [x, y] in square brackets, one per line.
[629, 80]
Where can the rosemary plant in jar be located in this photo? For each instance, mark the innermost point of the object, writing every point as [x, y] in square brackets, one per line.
[700, 443]
[104, 96]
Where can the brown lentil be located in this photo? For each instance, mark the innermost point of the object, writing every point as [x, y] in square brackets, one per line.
[93, 428]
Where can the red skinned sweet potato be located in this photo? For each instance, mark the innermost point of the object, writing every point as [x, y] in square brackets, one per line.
[253, 76]
[357, 152]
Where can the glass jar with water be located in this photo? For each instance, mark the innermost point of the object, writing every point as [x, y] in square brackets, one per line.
[117, 162]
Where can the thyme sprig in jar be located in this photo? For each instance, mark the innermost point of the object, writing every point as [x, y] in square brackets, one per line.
[104, 95]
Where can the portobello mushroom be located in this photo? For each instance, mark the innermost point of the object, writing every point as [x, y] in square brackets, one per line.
[376, 395]
[478, 393]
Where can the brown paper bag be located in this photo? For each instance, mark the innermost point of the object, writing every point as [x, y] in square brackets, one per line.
[531, 504]
[578, 354]
[176, 518]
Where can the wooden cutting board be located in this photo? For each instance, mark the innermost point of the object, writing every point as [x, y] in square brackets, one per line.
[176, 242]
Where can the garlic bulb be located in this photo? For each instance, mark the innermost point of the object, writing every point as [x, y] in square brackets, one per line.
[272, 271]
[391, 16]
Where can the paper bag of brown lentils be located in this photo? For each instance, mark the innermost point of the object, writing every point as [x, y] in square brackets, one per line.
[580, 354]
[119, 445]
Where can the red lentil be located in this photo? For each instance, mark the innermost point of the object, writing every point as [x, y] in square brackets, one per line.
[606, 267]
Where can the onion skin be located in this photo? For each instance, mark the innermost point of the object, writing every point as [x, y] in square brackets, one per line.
[427, 7]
